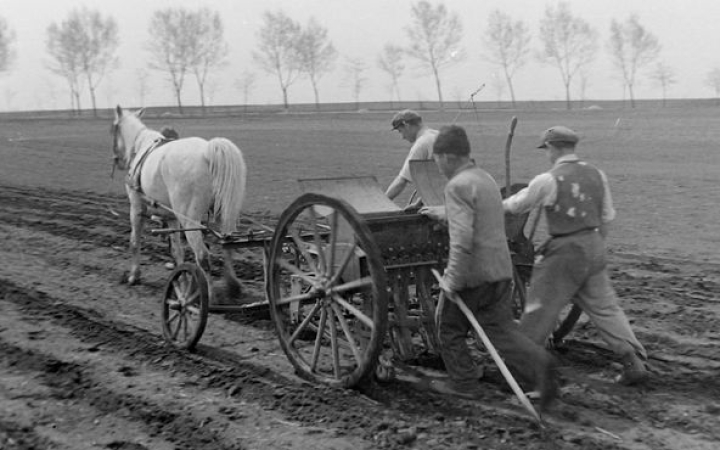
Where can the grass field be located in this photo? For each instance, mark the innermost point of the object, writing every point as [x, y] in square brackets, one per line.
[662, 163]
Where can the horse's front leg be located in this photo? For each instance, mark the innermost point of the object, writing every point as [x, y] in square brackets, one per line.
[136, 230]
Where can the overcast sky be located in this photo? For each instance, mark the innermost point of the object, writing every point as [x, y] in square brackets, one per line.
[687, 30]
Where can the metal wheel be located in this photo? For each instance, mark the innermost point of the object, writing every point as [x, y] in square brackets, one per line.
[327, 290]
[185, 306]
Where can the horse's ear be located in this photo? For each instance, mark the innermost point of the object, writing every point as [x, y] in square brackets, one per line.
[118, 111]
[140, 112]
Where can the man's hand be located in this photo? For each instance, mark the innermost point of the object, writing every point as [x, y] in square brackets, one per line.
[434, 212]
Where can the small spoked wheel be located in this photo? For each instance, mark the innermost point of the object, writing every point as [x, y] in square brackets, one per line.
[327, 290]
[185, 306]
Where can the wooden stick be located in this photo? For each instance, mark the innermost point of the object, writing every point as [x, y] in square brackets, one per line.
[491, 348]
[508, 144]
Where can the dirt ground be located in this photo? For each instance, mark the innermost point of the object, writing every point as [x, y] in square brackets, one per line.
[83, 364]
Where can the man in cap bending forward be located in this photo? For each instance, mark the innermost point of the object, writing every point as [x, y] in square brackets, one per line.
[571, 267]
[411, 127]
[479, 271]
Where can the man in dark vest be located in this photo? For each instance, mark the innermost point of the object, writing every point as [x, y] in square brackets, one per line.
[479, 271]
[572, 265]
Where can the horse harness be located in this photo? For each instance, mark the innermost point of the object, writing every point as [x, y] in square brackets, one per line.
[133, 176]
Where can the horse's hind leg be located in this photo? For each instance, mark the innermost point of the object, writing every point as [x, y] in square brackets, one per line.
[136, 229]
[197, 244]
[177, 247]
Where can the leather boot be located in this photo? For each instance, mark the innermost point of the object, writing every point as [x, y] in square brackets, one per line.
[634, 370]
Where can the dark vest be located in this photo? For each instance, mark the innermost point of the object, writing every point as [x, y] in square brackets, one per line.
[579, 200]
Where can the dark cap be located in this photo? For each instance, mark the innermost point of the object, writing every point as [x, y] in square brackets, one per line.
[558, 134]
[404, 116]
[452, 139]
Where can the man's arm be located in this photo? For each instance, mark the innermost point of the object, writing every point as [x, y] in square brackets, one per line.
[542, 190]
[396, 187]
[460, 216]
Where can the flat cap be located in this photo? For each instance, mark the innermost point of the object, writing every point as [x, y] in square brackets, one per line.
[558, 134]
[406, 115]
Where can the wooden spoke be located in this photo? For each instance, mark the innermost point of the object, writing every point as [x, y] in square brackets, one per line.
[295, 270]
[355, 312]
[359, 283]
[346, 330]
[318, 340]
[300, 244]
[318, 242]
[296, 298]
[348, 256]
[334, 345]
[174, 317]
[194, 310]
[304, 323]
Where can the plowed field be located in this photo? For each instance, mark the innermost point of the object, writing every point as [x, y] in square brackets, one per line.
[83, 364]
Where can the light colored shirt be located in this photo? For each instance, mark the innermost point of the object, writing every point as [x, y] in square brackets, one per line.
[542, 190]
[422, 148]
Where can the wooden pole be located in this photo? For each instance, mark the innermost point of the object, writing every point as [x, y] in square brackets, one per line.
[491, 348]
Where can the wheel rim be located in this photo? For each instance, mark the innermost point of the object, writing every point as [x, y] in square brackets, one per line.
[327, 291]
[185, 306]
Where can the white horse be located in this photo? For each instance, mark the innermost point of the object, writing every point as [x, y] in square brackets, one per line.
[189, 177]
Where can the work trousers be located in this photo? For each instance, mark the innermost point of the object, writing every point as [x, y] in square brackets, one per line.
[490, 303]
[573, 269]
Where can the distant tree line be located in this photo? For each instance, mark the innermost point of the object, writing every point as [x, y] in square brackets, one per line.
[187, 42]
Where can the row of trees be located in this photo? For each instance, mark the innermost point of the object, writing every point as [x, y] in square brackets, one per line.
[190, 43]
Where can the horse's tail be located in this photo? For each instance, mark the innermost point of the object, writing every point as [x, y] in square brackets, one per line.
[229, 175]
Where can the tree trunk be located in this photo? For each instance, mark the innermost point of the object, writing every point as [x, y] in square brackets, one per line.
[568, 105]
[92, 98]
[179, 101]
[512, 90]
[201, 88]
[285, 98]
[439, 88]
[317, 95]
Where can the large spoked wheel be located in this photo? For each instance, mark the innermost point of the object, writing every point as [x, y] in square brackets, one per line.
[185, 306]
[327, 290]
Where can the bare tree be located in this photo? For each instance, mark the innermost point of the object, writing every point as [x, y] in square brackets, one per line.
[664, 77]
[245, 84]
[7, 37]
[60, 44]
[508, 42]
[209, 50]
[355, 69]
[434, 37]
[391, 62]
[278, 50]
[713, 81]
[83, 45]
[569, 43]
[317, 54]
[172, 45]
[631, 47]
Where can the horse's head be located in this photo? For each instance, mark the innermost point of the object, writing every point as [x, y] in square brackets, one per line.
[125, 128]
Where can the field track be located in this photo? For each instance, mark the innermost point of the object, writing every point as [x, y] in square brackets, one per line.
[83, 365]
